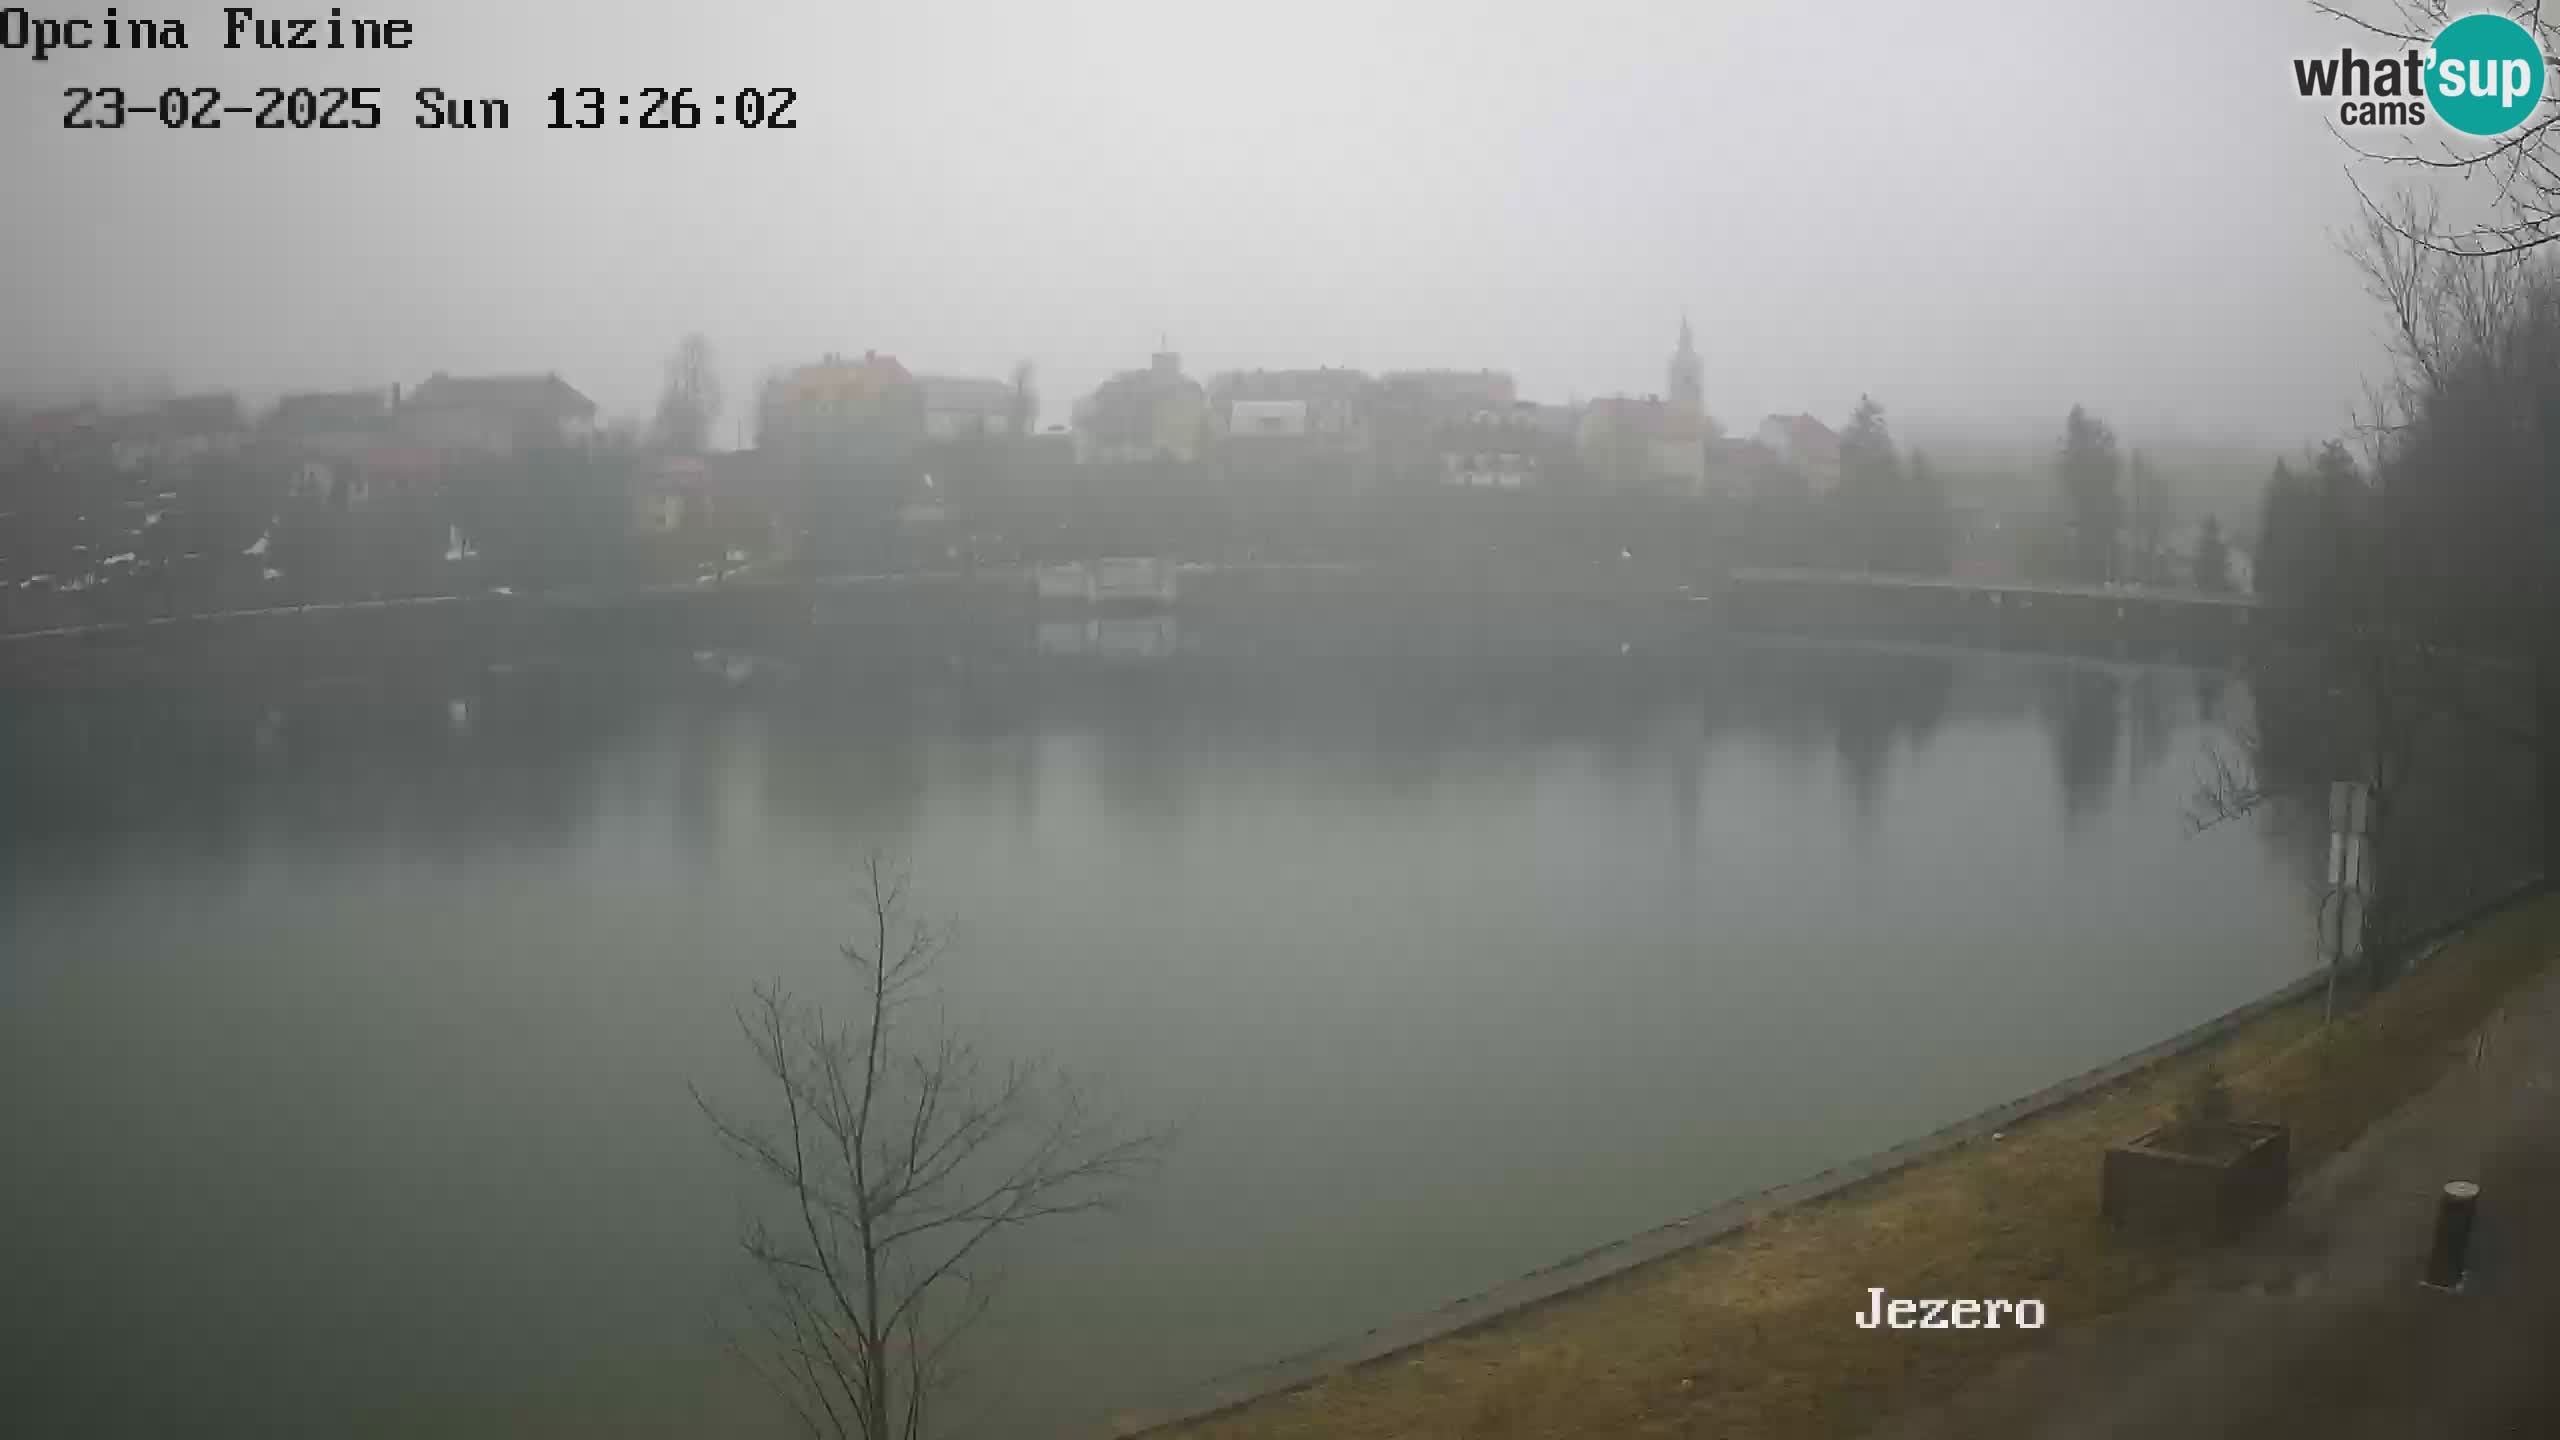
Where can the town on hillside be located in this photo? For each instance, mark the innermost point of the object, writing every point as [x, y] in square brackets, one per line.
[113, 509]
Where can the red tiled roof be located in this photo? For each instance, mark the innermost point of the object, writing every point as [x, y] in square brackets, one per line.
[1808, 433]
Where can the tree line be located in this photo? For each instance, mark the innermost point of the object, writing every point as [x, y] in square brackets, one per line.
[2415, 567]
[2112, 519]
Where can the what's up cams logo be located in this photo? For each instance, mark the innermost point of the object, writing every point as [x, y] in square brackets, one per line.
[2483, 76]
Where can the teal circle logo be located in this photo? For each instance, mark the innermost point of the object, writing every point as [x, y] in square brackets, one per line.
[2485, 75]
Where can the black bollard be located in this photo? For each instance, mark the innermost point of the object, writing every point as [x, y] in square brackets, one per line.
[2455, 1210]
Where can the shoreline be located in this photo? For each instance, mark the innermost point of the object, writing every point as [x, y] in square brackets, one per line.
[1230, 1403]
[1592, 1267]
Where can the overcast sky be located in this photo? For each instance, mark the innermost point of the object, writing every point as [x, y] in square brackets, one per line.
[1980, 210]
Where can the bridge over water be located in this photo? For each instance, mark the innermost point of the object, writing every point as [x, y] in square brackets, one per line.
[1282, 609]
[2011, 614]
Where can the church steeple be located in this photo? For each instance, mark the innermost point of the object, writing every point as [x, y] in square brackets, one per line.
[1687, 390]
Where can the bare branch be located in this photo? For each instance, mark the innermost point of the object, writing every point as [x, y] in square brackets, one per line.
[899, 1160]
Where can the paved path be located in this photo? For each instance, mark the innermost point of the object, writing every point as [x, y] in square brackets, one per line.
[2318, 1326]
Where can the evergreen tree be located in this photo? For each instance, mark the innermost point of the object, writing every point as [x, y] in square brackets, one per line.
[1890, 516]
[2092, 493]
[2278, 571]
[1868, 484]
[2313, 529]
[2338, 511]
[2213, 557]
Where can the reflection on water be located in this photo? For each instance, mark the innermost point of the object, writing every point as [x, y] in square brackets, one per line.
[2084, 707]
[347, 1035]
[2462, 824]
[1111, 637]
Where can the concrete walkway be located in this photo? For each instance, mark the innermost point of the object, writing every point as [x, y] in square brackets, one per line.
[2317, 1326]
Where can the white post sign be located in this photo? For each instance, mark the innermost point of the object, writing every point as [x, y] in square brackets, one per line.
[2350, 877]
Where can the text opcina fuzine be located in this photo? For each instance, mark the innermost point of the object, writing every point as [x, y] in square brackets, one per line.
[238, 27]
[1883, 1313]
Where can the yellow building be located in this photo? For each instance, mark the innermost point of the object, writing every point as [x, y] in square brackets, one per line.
[1140, 415]
[869, 408]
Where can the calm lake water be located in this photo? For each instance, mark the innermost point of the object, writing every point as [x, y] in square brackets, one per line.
[345, 1038]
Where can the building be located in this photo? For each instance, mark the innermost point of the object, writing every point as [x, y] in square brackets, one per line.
[1051, 452]
[1331, 407]
[59, 435]
[749, 499]
[1616, 438]
[1413, 411]
[670, 493]
[840, 444]
[1687, 391]
[348, 448]
[1444, 395]
[1294, 433]
[497, 415]
[1741, 468]
[1142, 416]
[1527, 447]
[1264, 420]
[1555, 424]
[56, 423]
[179, 432]
[368, 476]
[1806, 446]
[1490, 468]
[1657, 442]
[958, 407]
[338, 424]
[869, 409]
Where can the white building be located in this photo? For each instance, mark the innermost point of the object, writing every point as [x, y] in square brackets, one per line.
[1278, 418]
[1489, 470]
[1805, 445]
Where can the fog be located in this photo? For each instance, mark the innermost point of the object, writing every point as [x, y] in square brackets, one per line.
[1984, 211]
[523, 650]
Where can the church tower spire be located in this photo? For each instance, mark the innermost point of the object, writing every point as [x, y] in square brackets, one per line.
[1687, 390]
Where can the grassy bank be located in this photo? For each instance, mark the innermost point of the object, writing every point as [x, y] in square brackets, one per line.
[1752, 1335]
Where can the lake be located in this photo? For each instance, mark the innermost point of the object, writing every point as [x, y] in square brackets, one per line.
[348, 1033]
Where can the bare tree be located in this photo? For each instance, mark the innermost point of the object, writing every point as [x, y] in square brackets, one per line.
[900, 1154]
[2444, 311]
[2412, 579]
[1026, 400]
[2516, 175]
[2466, 442]
[690, 400]
[2352, 695]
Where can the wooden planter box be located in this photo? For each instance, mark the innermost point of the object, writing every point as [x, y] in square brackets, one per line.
[2211, 1191]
